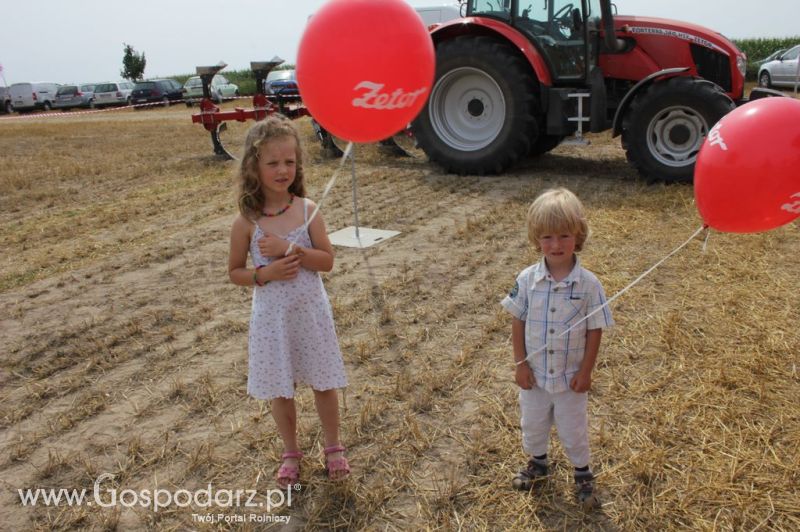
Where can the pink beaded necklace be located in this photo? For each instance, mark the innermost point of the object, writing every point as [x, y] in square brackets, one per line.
[268, 215]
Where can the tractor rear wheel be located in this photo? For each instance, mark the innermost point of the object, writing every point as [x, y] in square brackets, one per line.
[666, 125]
[480, 116]
[544, 143]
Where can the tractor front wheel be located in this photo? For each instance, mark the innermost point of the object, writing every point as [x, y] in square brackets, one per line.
[480, 116]
[666, 125]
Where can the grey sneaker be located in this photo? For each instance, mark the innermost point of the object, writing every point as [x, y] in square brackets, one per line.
[534, 473]
[584, 490]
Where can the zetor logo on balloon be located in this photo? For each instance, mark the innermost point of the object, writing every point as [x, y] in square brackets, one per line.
[715, 137]
[793, 207]
[373, 98]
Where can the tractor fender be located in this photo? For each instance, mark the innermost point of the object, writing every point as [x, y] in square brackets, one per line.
[636, 89]
[493, 28]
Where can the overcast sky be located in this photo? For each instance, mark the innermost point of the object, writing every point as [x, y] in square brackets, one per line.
[82, 41]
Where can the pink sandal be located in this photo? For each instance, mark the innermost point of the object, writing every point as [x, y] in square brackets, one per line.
[338, 468]
[289, 474]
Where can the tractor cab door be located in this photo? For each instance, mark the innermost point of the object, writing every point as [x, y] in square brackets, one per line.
[556, 27]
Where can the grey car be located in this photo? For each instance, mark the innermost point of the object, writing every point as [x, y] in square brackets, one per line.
[782, 71]
[113, 93]
[69, 96]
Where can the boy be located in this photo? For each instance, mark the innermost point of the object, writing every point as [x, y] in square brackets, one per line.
[555, 348]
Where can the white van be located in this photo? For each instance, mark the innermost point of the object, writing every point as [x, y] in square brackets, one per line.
[438, 14]
[36, 95]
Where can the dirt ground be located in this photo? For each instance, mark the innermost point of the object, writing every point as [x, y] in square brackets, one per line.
[124, 345]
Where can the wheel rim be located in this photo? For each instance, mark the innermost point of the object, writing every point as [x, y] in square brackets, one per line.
[764, 80]
[675, 134]
[467, 109]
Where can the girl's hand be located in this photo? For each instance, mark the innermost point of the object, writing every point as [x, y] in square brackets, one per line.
[284, 269]
[524, 376]
[272, 246]
[581, 382]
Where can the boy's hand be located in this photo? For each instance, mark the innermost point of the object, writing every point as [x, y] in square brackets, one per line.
[581, 382]
[271, 245]
[524, 376]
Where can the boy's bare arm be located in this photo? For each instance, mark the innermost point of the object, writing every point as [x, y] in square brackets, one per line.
[522, 373]
[582, 381]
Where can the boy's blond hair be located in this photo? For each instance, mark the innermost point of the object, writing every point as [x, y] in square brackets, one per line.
[557, 211]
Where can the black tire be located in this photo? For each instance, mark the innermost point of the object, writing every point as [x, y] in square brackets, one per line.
[165, 101]
[47, 106]
[666, 124]
[331, 146]
[764, 80]
[478, 68]
[9, 107]
[91, 104]
[545, 143]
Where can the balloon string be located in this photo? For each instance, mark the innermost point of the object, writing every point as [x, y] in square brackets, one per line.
[355, 195]
[329, 186]
[634, 282]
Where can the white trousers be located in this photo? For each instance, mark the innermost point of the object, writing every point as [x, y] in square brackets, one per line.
[540, 409]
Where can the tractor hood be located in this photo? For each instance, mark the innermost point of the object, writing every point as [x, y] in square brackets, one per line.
[656, 44]
[664, 28]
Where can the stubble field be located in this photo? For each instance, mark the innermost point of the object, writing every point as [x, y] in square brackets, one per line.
[124, 345]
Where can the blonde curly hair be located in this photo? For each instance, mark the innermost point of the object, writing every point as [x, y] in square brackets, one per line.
[249, 192]
[555, 211]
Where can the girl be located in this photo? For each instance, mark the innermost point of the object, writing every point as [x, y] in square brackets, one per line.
[292, 336]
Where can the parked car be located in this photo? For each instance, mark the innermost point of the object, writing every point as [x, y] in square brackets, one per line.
[113, 93]
[163, 91]
[282, 83]
[5, 101]
[36, 95]
[770, 57]
[69, 96]
[220, 89]
[782, 71]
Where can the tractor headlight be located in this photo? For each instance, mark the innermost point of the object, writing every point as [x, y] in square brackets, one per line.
[741, 64]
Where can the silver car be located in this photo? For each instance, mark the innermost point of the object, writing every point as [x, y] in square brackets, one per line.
[69, 96]
[221, 89]
[780, 72]
[113, 93]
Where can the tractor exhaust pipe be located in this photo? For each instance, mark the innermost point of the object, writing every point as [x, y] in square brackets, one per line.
[613, 44]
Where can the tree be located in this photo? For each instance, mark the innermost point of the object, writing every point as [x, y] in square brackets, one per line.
[132, 64]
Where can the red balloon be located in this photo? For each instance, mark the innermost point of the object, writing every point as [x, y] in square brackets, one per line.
[365, 67]
[747, 176]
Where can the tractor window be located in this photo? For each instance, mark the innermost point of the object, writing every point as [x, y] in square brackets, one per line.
[490, 8]
[558, 26]
[594, 9]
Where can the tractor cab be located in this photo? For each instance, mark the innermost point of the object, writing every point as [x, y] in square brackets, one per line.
[565, 33]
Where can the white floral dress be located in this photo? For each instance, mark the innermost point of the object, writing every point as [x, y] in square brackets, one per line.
[292, 335]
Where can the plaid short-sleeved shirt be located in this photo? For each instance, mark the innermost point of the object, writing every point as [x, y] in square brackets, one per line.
[548, 308]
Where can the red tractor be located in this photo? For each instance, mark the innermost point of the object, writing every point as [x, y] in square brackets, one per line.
[516, 77]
